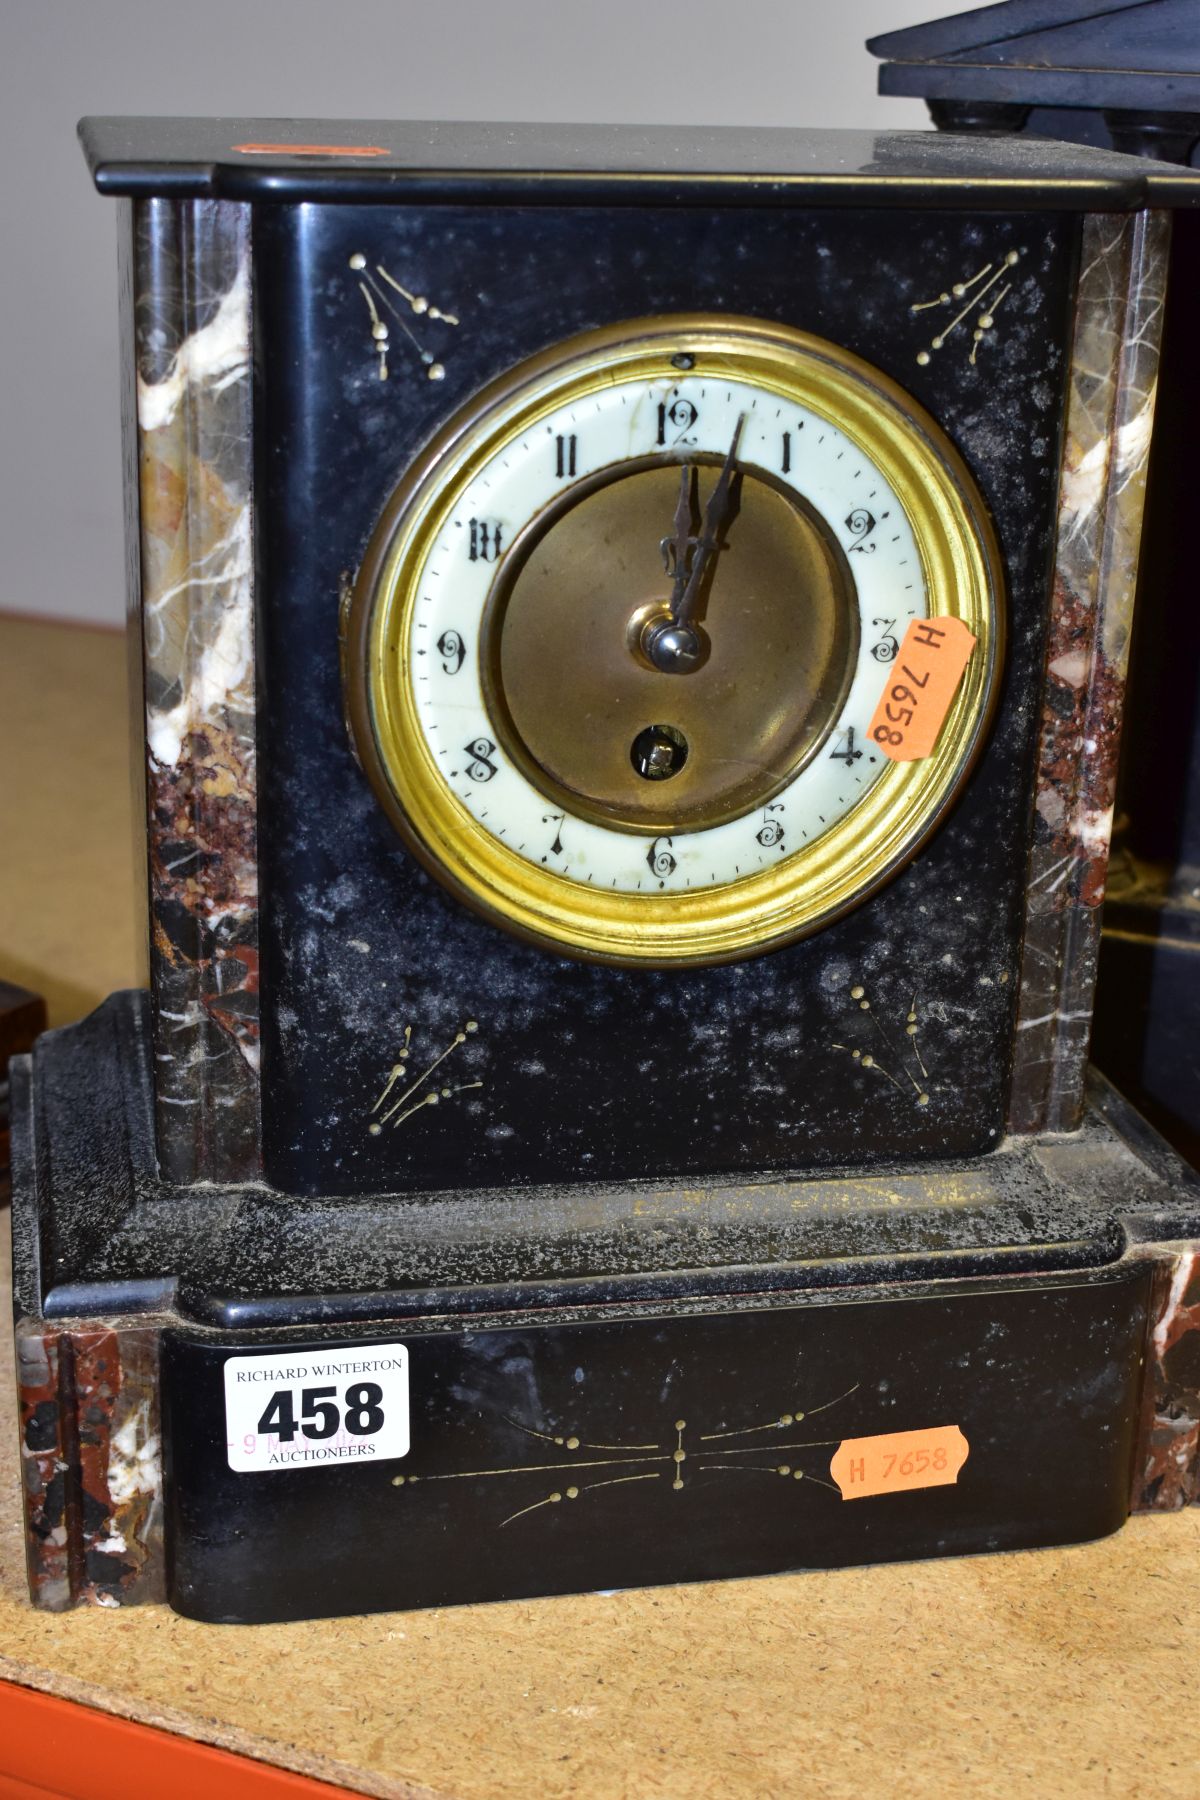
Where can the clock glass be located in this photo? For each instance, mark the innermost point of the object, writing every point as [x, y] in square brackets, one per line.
[614, 654]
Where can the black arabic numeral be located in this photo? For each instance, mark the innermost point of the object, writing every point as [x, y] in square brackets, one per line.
[886, 650]
[279, 1418]
[452, 651]
[480, 750]
[860, 524]
[319, 1411]
[675, 419]
[364, 1415]
[770, 832]
[659, 860]
[847, 754]
[564, 456]
[785, 463]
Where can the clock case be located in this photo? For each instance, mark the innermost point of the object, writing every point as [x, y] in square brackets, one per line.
[701, 1201]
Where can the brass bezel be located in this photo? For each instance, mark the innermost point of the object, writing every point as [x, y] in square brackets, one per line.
[823, 879]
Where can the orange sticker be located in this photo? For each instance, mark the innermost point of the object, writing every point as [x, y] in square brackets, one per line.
[899, 1461]
[309, 150]
[924, 678]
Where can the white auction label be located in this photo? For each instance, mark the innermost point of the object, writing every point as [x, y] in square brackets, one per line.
[304, 1411]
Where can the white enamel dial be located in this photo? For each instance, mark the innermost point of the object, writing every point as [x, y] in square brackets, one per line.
[595, 436]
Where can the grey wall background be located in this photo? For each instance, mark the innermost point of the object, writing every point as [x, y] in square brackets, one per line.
[735, 62]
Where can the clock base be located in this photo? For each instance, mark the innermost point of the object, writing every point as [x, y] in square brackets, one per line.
[553, 1390]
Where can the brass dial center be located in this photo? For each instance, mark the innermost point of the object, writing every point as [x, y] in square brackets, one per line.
[571, 687]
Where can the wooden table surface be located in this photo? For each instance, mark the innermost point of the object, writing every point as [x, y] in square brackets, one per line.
[1047, 1673]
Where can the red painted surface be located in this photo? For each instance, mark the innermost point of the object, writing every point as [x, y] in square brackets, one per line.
[51, 1749]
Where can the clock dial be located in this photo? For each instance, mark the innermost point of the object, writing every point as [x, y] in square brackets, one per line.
[614, 653]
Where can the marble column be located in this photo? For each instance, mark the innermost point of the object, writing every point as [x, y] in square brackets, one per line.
[1110, 415]
[194, 580]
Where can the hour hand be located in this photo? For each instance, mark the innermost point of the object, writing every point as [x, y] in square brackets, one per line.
[681, 544]
[715, 518]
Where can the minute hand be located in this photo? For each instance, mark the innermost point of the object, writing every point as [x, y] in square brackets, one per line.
[710, 536]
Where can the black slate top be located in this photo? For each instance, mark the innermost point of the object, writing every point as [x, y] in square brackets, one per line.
[1007, 23]
[372, 160]
[1124, 54]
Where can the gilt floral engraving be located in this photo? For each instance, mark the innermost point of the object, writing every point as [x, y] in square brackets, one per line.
[403, 1094]
[677, 1454]
[383, 294]
[975, 301]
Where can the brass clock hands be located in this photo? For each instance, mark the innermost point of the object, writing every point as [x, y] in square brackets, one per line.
[682, 542]
[715, 519]
[675, 644]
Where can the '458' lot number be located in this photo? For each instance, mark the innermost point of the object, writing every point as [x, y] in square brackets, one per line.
[298, 1411]
[319, 1413]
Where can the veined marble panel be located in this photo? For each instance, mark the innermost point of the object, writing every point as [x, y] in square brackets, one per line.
[194, 501]
[1110, 416]
[1167, 1473]
[91, 1460]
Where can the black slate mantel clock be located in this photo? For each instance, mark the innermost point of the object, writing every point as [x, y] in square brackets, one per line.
[632, 631]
